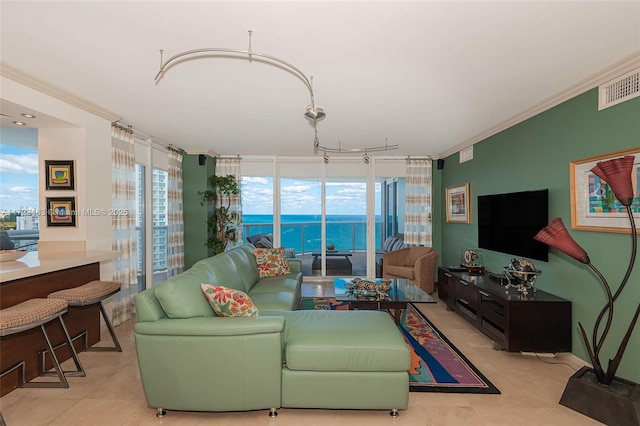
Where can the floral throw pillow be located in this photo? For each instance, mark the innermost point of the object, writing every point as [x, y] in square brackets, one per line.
[227, 302]
[271, 262]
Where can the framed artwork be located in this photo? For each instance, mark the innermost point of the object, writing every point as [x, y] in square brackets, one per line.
[59, 175]
[61, 211]
[593, 205]
[457, 203]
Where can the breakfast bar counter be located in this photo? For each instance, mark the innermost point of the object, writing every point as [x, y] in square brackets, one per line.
[32, 264]
[36, 276]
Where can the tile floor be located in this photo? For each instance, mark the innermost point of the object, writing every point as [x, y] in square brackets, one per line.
[112, 394]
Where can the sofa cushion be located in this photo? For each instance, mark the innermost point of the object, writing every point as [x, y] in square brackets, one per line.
[265, 243]
[253, 239]
[223, 269]
[181, 296]
[399, 244]
[245, 265]
[278, 301]
[227, 302]
[344, 341]
[287, 283]
[271, 262]
[388, 243]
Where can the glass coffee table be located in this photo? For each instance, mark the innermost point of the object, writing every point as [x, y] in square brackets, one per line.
[400, 293]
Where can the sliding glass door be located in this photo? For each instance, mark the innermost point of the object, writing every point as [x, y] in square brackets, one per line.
[346, 226]
[301, 218]
[331, 216]
[257, 206]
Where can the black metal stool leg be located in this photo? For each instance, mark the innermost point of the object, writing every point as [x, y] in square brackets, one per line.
[79, 372]
[56, 365]
[116, 344]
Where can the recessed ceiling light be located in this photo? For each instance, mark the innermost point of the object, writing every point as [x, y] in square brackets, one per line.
[19, 123]
[28, 115]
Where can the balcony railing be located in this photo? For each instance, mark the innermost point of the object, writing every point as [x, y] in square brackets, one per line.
[159, 255]
[27, 239]
[305, 237]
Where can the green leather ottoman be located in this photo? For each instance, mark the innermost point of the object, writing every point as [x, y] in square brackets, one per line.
[344, 360]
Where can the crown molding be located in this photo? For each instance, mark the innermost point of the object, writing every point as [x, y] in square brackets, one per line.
[621, 67]
[42, 86]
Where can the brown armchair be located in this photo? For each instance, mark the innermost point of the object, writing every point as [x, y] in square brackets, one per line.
[415, 263]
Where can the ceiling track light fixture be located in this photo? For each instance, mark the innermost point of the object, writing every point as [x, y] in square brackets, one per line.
[313, 113]
[365, 151]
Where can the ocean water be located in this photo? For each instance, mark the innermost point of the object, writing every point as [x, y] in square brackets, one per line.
[303, 232]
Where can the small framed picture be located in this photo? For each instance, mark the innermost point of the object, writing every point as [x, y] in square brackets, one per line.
[61, 211]
[457, 203]
[59, 175]
[593, 204]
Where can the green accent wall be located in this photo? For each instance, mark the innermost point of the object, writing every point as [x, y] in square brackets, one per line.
[437, 214]
[195, 178]
[535, 154]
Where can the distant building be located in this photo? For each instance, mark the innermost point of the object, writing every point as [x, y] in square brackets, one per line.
[159, 220]
[25, 223]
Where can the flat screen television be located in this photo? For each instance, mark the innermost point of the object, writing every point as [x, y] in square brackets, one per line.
[508, 222]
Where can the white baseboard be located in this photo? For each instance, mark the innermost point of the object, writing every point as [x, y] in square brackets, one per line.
[566, 357]
[540, 354]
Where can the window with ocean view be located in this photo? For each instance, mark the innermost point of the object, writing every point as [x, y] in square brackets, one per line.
[301, 214]
[257, 205]
[324, 222]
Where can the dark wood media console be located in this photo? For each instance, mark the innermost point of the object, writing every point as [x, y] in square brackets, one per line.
[538, 322]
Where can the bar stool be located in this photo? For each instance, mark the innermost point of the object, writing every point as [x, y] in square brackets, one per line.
[88, 294]
[30, 314]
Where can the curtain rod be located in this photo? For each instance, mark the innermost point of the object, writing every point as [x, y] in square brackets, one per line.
[228, 157]
[129, 128]
[174, 149]
[126, 128]
[428, 157]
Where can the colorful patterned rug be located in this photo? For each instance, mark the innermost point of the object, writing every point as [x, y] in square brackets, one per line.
[436, 365]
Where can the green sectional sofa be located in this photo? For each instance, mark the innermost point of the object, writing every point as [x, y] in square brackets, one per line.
[192, 360]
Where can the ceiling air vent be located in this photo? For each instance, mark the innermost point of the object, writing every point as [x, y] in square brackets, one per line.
[466, 154]
[620, 89]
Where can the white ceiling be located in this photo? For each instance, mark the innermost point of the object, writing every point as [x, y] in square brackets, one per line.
[427, 75]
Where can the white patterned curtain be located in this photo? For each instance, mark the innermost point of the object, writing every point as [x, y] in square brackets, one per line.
[175, 222]
[231, 166]
[417, 225]
[123, 191]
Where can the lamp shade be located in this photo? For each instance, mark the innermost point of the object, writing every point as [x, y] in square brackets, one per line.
[556, 235]
[617, 173]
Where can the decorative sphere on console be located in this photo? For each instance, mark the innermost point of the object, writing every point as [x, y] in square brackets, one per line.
[522, 269]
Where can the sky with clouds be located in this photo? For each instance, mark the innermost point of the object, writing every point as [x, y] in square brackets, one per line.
[19, 189]
[18, 178]
[303, 196]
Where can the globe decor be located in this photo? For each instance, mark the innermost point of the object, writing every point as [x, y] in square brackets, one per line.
[524, 273]
[597, 392]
